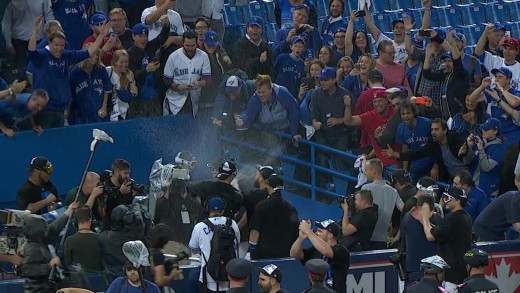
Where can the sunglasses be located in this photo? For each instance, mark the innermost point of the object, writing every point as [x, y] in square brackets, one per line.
[48, 168]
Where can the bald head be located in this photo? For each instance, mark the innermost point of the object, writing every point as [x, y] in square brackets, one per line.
[91, 181]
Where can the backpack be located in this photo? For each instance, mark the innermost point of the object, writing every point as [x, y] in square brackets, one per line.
[222, 250]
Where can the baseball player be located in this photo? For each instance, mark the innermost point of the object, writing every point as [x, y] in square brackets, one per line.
[185, 73]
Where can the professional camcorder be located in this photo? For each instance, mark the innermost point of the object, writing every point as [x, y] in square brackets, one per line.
[12, 239]
[173, 262]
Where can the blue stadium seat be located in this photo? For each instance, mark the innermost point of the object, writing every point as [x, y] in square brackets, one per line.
[514, 27]
[270, 31]
[390, 35]
[382, 21]
[466, 1]
[393, 15]
[269, 9]
[476, 32]
[379, 5]
[416, 14]
[466, 31]
[469, 49]
[231, 16]
[322, 7]
[417, 4]
[245, 13]
[472, 14]
[446, 15]
[258, 9]
[496, 12]
[513, 7]
[400, 4]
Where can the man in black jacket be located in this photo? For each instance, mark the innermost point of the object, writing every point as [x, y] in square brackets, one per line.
[252, 54]
[454, 78]
[38, 260]
[444, 146]
[144, 61]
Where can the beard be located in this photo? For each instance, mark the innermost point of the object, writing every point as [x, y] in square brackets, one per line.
[256, 184]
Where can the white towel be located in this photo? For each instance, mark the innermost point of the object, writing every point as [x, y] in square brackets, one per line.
[360, 164]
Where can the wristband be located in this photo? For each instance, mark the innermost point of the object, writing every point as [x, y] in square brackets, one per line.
[252, 247]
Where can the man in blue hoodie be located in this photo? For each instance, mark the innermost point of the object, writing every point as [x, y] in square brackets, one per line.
[12, 114]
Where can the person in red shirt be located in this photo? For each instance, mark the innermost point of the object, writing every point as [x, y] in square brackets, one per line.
[392, 71]
[372, 122]
[110, 43]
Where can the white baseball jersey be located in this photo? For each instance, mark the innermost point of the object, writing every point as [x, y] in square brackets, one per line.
[155, 28]
[201, 240]
[119, 108]
[183, 70]
[400, 50]
[176, 25]
[492, 61]
[213, 9]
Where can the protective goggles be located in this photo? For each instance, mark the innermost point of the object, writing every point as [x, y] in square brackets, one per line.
[447, 198]
[48, 169]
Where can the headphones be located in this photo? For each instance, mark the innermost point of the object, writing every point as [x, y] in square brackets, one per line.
[206, 207]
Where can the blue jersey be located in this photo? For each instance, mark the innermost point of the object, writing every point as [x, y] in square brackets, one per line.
[488, 179]
[477, 200]
[415, 139]
[510, 130]
[74, 18]
[288, 72]
[52, 74]
[462, 126]
[411, 74]
[41, 45]
[88, 92]
[328, 29]
[14, 112]
[286, 11]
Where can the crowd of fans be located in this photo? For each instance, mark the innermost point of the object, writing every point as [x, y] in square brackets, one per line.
[418, 102]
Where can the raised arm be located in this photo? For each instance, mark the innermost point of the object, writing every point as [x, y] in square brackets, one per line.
[37, 27]
[481, 44]
[349, 46]
[369, 22]
[427, 4]
[477, 95]
[350, 120]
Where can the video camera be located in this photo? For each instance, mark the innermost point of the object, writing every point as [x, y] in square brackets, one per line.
[12, 239]
[173, 262]
[398, 260]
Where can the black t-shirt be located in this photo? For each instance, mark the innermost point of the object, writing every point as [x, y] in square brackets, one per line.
[494, 220]
[252, 199]
[157, 258]
[231, 196]
[365, 222]
[424, 286]
[453, 234]
[277, 221]
[180, 214]
[408, 205]
[32, 193]
[115, 197]
[338, 265]
[477, 283]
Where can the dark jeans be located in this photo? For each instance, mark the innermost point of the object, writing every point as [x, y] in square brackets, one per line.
[50, 119]
[20, 59]
[334, 140]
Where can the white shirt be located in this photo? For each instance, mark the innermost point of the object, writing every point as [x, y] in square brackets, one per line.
[492, 61]
[183, 70]
[400, 50]
[213, 9]
[201, 240]
[155, 28]
[119, 108]
[176, 25]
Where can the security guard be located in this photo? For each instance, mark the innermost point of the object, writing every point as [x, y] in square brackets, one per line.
[238, 270]
[317, 271]
[433, 268]
[476, 259]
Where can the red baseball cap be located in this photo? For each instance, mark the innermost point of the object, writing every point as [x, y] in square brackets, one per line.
[511, 42]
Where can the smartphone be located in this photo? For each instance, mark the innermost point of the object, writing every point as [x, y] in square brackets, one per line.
[300, 30]
[424, 33]
[361, 13]
[422, 101]
[310, 82]
[507, 34]
[357, 66]
[113, 37]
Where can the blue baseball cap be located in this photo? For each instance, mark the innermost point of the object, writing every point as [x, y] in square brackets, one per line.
[211, 39]
[256, 20]
[459, 36]
[441, 32]
[499, 27]
[328, 73]
[504, 70]
[98, 18]
[140, 29]
[446, 55]
[297, 39]
[216, 203]
[491, 123]
[340, 30]
[301, 6]
[232, 84]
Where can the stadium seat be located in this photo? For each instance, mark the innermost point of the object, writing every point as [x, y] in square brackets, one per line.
[258, 9]
[269, 9]
[322, 8]
[446, 15]
[416, 14]
[379, 5]
[400, 4]
[390, 35]
[514, 27]
[394, 14]
[417, 4]
[496, 12]
[472, 14]
[469, 50]
[466, 1]
[467, 31]
[270, 31]
[382, 21]
[513, 7]
[230, 15]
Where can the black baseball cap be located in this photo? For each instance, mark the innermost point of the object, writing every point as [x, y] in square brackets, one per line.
[271, 270]
[42, 164]
[265, 171]
[329, 225]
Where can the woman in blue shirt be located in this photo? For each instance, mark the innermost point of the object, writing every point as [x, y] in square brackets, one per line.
[471, 115]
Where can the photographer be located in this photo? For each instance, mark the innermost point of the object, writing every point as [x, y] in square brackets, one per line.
[118, 188]
[158, 237]
[356, 233]
[90, 191]
[38, 261]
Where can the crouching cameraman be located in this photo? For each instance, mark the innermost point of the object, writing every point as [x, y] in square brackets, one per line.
[38, 260]
[163, 271]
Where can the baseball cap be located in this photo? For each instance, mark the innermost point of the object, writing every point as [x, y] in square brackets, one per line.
[239, 268]
[380, 94]
[511, 42]
[140, 29]
[216, 203]
[397, 89]
[498, 27]
[441, 32]
[340, 30]
[211, 39]
[401, 175]
[459, 36]
[302, 6]
[446, 55]
[275, 181]
[265, 171]
[271, 271]
[317, 267]
[98, 18]
[374, 74]
[42, 164]
[328, 73]
[256, 20]
[232, 84]
[297, 39]
[456, 192]
[329, 225]
[491, 123]
[504, 70]
[226, 169]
